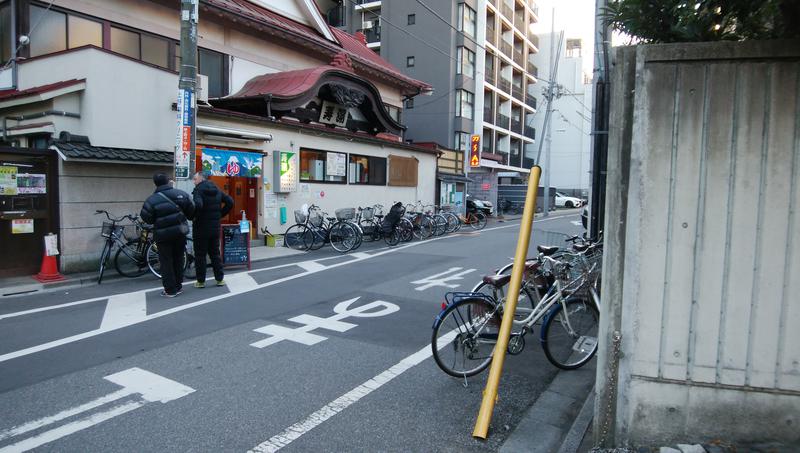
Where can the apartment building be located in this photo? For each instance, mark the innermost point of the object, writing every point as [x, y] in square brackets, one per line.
[479, 57]
[290, 112]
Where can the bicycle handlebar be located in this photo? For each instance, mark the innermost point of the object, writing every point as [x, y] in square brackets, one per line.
[132, 217]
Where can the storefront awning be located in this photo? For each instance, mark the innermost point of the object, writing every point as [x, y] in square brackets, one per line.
[445, 177]
[225, 162]
[85, 152]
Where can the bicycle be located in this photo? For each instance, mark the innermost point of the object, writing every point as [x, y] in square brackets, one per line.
[421, 224]
[471, 322]
[301, 235]
[453, 222]
[439, 220]
[365, 220]
[475, 219]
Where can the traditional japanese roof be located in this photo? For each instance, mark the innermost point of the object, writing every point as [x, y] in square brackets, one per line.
[365, 60]
[41, 91]
[82, 150]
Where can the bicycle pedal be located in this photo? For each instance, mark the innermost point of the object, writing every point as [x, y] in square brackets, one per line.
[516, 344]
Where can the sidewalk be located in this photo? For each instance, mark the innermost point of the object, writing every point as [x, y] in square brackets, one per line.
[13, 286]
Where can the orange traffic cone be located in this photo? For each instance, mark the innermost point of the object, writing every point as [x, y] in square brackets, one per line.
[49, 271]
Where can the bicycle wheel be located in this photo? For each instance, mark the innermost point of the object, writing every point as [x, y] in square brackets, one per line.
[478, 220]
[129, 259]
[319, 235]
[189, 269]
[526, 302]
[464, 337]
[569, 336]
[153, 263]
[440, 224]
[297, 237]
[371, 230]
[406, 229]
[343, 237]
[104, 260]
[359, 236]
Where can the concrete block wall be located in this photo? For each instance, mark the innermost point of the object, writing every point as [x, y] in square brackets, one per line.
[706, 300]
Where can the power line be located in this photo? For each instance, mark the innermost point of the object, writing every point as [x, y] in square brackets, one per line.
[30, 32]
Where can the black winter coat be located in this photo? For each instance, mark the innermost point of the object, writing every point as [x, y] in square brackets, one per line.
[211, 204]
[167, 216]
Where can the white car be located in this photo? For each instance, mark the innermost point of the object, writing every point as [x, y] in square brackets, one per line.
[565, 201]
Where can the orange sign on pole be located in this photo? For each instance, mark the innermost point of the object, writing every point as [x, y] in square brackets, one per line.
[474, 149]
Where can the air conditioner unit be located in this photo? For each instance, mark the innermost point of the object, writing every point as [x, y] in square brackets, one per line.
[202, 88]
[367, 24]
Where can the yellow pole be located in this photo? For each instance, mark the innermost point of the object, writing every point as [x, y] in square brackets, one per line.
[490, 393]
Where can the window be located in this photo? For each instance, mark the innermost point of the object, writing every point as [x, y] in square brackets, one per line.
[367, 170]
[84, 32]
[573, 48]
[412, 19]
[155, 51]
[323, 166]
[461, 141]
[409, 62]
[466, 62]
[212, 64]
[50, 34]
[394, 112]
[403, 171]
[409, 103]
[467, 20]
[125, 42]
[465, 102]
[5, 32]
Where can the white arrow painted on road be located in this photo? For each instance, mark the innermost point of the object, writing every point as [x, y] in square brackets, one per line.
[303, 334]
[441, 279]
[125, 309]
[134, 381]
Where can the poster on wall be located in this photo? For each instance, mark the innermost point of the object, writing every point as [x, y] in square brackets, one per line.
[336, 164]
[21, 226]
[285, 171]
[8, 180]
[223, 162]
[31, 183]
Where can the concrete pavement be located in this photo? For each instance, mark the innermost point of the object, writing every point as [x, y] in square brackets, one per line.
[318, 352]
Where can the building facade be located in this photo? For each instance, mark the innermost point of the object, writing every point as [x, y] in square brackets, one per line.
[290, 112]
[479, 57]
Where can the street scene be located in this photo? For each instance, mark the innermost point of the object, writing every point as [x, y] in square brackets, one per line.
[549, 226]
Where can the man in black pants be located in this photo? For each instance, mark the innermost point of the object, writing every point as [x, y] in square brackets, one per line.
[169, 209]
[212, 204]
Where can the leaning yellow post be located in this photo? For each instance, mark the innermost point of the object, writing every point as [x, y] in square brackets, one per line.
[490, 393]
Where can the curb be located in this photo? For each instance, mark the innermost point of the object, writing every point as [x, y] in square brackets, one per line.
[560, 417]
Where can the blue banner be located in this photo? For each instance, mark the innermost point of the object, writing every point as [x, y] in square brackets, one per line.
[223, 162]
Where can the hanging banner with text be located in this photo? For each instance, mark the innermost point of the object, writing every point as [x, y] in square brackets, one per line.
[474, 151]
[223, 162]
[183, 142]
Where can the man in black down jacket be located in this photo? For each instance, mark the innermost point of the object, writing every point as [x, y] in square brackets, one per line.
[168, 209]
[212, 204]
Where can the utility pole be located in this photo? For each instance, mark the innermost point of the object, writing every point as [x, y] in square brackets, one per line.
[187, 99]
[599, 119]
[552, 92]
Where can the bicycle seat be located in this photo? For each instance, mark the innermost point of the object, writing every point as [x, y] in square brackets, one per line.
[378, 216]
[496, 280]
[547, 250]
[580, 247]
[331, 219]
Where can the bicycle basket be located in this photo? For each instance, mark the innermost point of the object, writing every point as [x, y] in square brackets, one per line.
[345, 213]
[299, 217]
[108, 228]
[315, 218]
[367, 213]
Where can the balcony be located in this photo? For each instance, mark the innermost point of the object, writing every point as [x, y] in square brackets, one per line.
[530, 100]
[518, 93]
[532, 69]
[491, 35]
[507, 11]
[534, 39]
[367, 4]
[507, 48]
[494, 3]
[505, 85]
[519, 21]
[373, 34]
[530, 132]
[516, 126]
[518, 58]
[502, 121]
[488, 115]
[488, 74]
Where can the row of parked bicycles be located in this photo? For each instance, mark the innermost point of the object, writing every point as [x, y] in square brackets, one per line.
[559, 295]
[350, 227]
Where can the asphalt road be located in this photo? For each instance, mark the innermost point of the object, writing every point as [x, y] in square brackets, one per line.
[318, 352]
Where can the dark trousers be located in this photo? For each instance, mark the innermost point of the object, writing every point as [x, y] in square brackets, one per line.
[170, 255]
[207, 245]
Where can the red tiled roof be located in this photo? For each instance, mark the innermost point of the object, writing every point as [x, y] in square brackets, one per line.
[350, 44]
[282, 84]
[6, 95]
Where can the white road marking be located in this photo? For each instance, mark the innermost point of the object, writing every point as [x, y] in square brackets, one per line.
[334, 323]
[240, 283]
[360, 255]
[124, 309]
[93, 333]
[149, 386]
[442, 279]
[311, 266]
[341, 403]
[576, 222]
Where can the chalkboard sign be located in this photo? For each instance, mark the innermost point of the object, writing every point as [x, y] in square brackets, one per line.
[235, 246]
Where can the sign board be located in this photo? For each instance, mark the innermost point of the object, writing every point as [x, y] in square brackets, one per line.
[508, 174]
[224, 162]
[336, 164]
[21, 226]
[32, 183]
[333, 113]
[285, 171]
[486, 186]
[235, 246]
[183, 142]
[474, 151]
[51, 244]
[8, 180]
